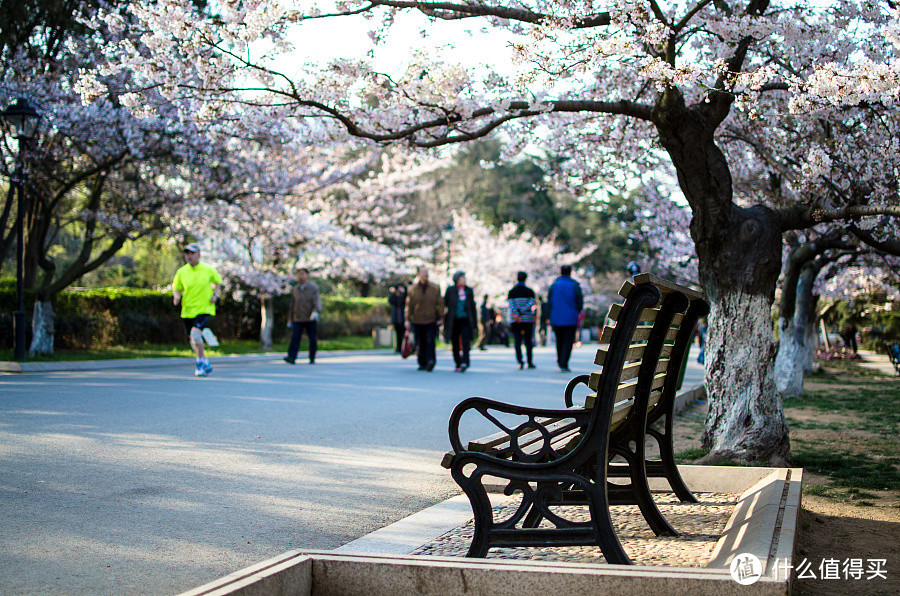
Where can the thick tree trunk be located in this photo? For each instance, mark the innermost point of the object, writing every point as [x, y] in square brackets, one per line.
[739, 253]
[797, 346]
[42, 328]
[267, 323]
[739, 269]
[746, 419]
[808, 357]
[790, 360]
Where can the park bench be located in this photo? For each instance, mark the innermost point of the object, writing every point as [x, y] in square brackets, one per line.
[560, 457]
[893, 352]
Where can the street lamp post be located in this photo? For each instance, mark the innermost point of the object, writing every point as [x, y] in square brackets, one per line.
[22, 119]
[447, 235]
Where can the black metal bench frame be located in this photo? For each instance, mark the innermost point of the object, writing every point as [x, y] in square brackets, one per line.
[893, 352]
[563, 457]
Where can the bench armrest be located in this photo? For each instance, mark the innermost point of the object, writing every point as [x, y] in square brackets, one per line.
[572, 385]
[536, 419]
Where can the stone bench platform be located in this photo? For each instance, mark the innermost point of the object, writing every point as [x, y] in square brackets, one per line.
[755, 512]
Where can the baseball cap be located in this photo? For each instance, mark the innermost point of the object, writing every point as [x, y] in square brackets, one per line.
[192, 247]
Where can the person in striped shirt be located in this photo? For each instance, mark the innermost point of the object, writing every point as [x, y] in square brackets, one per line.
[521, 302]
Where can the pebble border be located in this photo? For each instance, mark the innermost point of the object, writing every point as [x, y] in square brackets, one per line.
[700, 526]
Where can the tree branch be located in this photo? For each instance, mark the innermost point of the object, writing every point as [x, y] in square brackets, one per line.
[890, 246]
[455, 11]
[798, 217]
[517, 109]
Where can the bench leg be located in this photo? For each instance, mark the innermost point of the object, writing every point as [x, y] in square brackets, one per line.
[481, 510]
[533, 518]
[603, 527]
[670, 469]
[641, 491]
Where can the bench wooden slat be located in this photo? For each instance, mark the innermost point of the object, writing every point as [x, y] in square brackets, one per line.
[640, 334]
[626, 391]
[648, 315]
[632, 353]
[629, 371]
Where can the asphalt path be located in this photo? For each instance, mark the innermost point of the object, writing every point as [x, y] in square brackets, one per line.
[152, 481]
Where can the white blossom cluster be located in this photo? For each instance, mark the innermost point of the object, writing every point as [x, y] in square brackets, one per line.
[875, 278]
[267, 211]
[867, 78]
[492, 258]
[663, 226]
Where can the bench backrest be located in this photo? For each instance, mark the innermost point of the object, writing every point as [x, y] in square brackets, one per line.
[648, 339]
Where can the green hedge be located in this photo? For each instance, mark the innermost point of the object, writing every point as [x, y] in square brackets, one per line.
[103, 317]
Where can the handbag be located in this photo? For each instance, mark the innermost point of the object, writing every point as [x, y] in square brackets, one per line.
[407, 347]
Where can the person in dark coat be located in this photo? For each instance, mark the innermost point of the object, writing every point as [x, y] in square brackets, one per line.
[397, 300]
[566, 303]
[485, 324]
[461, 319]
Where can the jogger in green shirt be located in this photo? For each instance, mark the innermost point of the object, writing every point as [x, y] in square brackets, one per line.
[196, 288]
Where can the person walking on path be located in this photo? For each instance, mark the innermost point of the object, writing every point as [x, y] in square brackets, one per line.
[306, 304]
[848, 336]
[566, 302]
[196, 289]
[485, 320]
[543, 313]
[461, 321]
[397, 300]
[521, 302]
[424, 310]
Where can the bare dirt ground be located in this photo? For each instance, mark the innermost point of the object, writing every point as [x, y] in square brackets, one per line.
[837, 526]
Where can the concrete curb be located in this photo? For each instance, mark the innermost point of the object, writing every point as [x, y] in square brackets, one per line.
[325, 574]
[43, 367]
[686, 397]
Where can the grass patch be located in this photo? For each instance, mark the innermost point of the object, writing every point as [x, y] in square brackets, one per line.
[689, 455]
[855, 471]
[855, 446]
[183, 350]
[861, 494]
[817, 490]
[815, 424]
[877, 402]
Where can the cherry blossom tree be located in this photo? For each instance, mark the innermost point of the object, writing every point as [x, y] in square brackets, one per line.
[282, 207]
[98, 175]
[867, 77]
[491, 257]
[622, 87]
[842, 163]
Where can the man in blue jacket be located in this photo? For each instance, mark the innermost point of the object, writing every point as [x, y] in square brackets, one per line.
[566, 302]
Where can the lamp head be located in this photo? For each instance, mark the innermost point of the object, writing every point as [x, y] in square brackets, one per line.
[22, 118]
[447, 233]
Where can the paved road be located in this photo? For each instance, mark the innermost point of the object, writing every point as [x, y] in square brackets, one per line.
[152, 481]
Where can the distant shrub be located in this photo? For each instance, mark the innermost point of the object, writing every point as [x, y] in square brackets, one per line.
[101, 317]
